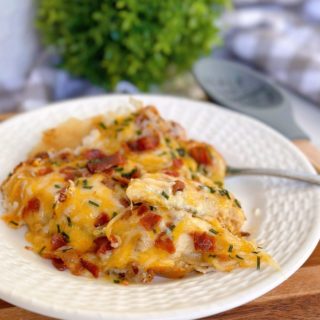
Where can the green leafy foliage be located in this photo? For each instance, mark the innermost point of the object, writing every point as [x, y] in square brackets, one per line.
[142, 41]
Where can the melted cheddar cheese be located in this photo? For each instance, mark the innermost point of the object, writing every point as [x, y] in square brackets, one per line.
[128, 197]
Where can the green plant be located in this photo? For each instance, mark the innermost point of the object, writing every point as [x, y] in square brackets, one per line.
[142, 41]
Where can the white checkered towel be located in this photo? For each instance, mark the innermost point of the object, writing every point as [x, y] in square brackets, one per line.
[283, 42]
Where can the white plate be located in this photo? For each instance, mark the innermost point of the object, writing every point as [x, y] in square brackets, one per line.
[288, 227]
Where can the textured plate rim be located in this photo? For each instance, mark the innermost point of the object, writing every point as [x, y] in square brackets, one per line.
[186, 312]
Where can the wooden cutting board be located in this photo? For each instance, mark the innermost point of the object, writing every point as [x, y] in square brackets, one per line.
[296, 298]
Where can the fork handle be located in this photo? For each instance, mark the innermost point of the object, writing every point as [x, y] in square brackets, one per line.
[310, 151]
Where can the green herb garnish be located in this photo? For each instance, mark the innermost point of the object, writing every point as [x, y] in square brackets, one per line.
[93, 203]
[114, 214]
[230, 248]
[237, 203]
[239, 257]
[138, 132]
[165, 195]
[213, 231]
[102, 125]
[118, 169]
[218, 183]
[129, 174]
[69, 221]
[58, 228]
[171, 227]
[212, 255]
[66, 236]
[258, 263]
[14, 223]
[224, 192]
[211, 190]
[181, 152]
[57, 186]
[116, 281]
[41, 250]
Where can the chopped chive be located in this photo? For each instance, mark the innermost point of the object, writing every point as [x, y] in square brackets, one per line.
[211, 190]
[258, 263]
[181, 152]
[151, 208]
[165, 195]
[171, 227]
[57, 186]
[102, 125]
[58, 228]
[239, 257]
[167, 140]
[67, 249]
[173, 156]
[230, 248]
[14, 223]
[41, 250]
[118, 169]
[259, 247]
[162, 153]
[69, 221]
[129, 174]
[255, 252]
[224, 192]
[213, 231]
[138, 132]
[119, 129]
[237, 203]
[116, 281]
[212, 255]
[114, 214]
[54, 205]
[66, 236]
[93, 203]
[87, 187]
[10, 174]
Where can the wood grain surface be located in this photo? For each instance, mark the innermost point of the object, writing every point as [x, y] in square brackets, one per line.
[298, 298]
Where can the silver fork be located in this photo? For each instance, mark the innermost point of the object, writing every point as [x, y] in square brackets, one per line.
[287, 174]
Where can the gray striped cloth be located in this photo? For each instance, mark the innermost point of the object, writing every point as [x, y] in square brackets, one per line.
[282, 41]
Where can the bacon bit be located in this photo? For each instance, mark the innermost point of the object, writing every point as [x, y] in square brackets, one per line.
[91, 267]
[170, 172]
[177, 163]
[57, 241]
[44, 171]
[149, 220]
[64, 155]
[244, 234]
[135, 268]
[108, 182]
[203, 242]
[201, 154]
[58, 264]
[165, 243]
[103, 164]
[70, 173]
[178, 186]
[101, 220]
[146, 143]
[125, 202]
[102, 245]
[94, 154]
[32, 206]
[142, 209]
[42, 155]
[122, 180]
[62, 195]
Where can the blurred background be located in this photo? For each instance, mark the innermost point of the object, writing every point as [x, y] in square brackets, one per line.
[53, 50]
